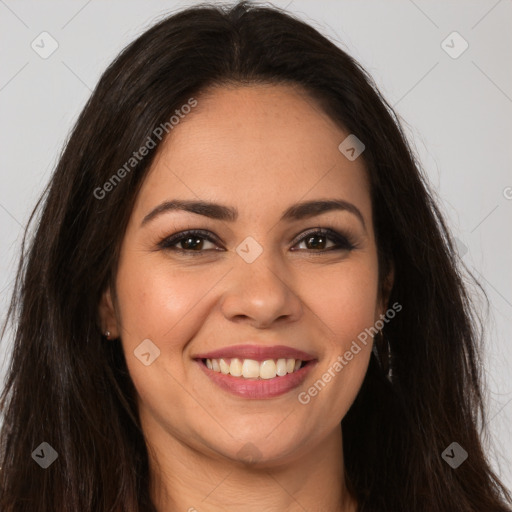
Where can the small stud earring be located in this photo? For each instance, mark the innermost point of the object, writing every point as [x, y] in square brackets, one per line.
[107, 335]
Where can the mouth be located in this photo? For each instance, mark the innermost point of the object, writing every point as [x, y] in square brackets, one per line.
[252, 369]
[256, 372]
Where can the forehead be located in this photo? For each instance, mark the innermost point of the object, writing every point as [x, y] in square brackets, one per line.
[258, 148]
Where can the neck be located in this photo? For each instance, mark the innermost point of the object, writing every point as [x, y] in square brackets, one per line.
[194, 482]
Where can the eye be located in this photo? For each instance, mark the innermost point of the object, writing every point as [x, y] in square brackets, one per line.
[317, 238]
[192, 241]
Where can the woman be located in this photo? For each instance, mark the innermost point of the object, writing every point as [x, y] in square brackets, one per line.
[240, 294]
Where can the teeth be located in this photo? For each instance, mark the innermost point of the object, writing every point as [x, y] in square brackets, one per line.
[235, 368]
[224, 367]
[281, 367]
[267, 369]
[252, 369]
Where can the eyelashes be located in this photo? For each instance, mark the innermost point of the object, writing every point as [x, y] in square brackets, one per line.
[192, 241]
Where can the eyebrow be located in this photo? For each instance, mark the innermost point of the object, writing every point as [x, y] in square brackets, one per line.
[216, 211]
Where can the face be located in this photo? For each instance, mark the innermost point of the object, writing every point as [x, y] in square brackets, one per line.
[260, 282]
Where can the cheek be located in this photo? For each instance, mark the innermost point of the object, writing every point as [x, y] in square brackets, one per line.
[345, 300]
[160, 303]
[155, 299]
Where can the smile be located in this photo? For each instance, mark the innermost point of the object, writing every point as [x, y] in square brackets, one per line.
[255, 371]
[252, 369]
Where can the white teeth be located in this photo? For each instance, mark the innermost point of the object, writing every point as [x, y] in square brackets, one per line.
[281, 367]
[235, 368]
[224, 367]
[267, 369]
[252, 369]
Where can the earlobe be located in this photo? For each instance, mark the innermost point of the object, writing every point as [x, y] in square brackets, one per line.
[107, 315]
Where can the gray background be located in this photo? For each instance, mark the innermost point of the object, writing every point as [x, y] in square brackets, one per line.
[458, 114]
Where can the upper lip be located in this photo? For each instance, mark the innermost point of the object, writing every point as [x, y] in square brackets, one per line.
[256, 352]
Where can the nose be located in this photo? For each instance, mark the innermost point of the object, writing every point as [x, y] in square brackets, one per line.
[258, 294]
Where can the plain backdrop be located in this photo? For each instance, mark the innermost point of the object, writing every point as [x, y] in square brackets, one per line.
[456, 103]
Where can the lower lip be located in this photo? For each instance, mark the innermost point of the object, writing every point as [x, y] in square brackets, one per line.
[258, 389]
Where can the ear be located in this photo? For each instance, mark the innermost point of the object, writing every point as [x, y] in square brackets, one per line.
[107, 314]
[387, 286]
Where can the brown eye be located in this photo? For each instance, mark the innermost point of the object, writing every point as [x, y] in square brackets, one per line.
[318, 239]
[191, 242]
[188, 241]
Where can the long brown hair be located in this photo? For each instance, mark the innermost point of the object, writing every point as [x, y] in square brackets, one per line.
[69, 388]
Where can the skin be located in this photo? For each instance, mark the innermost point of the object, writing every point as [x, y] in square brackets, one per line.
[258, 148]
